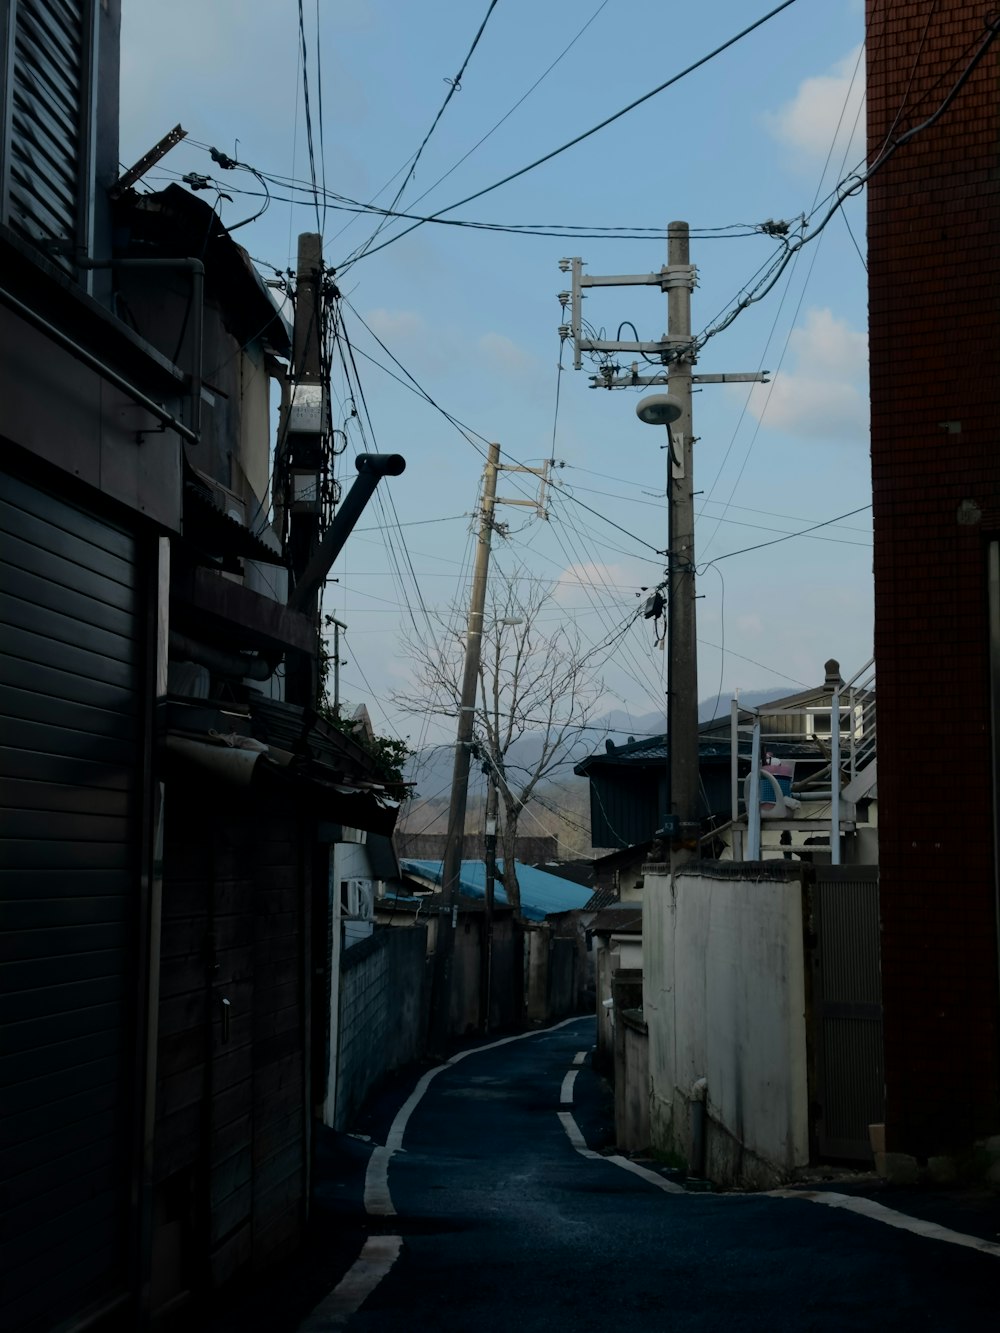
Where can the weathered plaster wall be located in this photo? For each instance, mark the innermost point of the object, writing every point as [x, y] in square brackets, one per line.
[724, 1000]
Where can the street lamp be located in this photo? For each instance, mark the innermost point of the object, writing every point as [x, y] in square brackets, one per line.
[659, 409]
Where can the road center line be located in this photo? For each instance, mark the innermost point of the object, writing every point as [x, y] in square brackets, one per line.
[880, 1213]
[377, 1256]
[566, 1092]
[579, 1058]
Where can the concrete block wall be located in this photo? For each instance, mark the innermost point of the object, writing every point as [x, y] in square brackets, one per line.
[383, 1013]
[934, 300]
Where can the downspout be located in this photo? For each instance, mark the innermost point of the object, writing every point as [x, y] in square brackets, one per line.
[698, 1102]
[835, 777]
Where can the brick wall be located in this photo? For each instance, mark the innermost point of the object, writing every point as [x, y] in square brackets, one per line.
[934, 292]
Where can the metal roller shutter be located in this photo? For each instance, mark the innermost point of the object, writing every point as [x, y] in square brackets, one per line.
[70, 756]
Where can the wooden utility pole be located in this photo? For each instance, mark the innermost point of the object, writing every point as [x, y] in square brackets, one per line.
[452, 865]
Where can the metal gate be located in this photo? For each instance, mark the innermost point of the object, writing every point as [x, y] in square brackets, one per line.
[847, 1011]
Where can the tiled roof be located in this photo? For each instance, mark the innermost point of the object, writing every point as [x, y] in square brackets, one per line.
[622, 919]
[600, 898]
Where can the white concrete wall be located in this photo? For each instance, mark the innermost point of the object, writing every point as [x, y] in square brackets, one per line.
[724, 1000]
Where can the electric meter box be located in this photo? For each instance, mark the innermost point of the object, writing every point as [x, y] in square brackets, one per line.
[308, 411]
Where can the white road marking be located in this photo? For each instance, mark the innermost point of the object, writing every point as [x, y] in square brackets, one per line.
[580, 1144]
[575, 1137]
[579, 1058]
[644, 1173]
[566, 1093]
[880, 1213]
[376, 1258]
[378, 1199]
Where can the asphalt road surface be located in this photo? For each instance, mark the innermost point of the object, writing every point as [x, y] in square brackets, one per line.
[501, 1223]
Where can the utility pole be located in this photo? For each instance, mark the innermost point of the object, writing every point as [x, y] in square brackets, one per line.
[452, 865]
[677, 351]
[303, 437]
[486, 957]
[338, 625]
[682, 639]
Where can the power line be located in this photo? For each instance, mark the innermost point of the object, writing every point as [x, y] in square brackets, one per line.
[609, 120]
[304, 55]
[454, 85]
[467, 432]
[524, 96]
[849, 186]
[787, 538]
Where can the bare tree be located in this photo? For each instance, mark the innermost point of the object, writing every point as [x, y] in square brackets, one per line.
[535, 685]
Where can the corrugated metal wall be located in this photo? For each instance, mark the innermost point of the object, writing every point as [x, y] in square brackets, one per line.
[70, 769]
[46, 118]
[847, 1010]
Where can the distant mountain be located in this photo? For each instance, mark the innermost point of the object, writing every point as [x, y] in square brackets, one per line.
[431, 768]
[719, 706]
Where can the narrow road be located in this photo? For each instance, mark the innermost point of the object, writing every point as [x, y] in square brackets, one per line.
[488, 1217]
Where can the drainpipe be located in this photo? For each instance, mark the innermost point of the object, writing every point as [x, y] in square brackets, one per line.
[835, 777]
[371, 469]
[239, 666]
[197, 270]
[699, 1123]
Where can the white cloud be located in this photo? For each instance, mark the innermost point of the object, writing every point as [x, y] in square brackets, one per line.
[751, 625]
[592, 575]
[824, 395]
[505, 354]
[228, 70]
[828, 109]
[397, 325]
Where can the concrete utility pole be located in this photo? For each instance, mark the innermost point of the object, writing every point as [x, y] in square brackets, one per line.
[303, 436]
[452, 865]
[682, 639]
[678, 352]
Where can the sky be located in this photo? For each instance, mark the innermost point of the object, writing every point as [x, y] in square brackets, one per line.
[764, 131]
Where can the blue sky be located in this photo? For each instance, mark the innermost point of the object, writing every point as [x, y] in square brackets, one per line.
[764, 131]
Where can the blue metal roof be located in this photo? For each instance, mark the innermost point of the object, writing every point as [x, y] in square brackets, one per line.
[541, 893]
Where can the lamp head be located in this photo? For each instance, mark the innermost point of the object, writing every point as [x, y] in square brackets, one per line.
[659, 409]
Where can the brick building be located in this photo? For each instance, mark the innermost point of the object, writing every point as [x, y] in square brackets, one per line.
[934, 284]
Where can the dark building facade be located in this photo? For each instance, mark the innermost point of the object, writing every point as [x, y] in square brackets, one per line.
[166, 812]
[934, 294]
